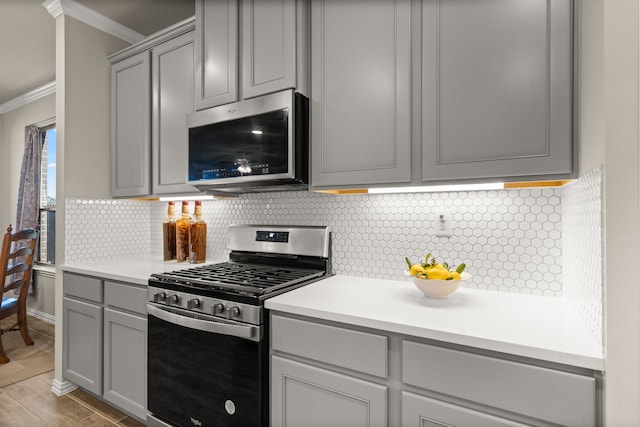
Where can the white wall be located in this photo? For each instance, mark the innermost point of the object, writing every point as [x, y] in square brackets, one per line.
[4, 185]
[618, 23]
[12, 134]
[609, 137]
[83, 130]
[87, 103]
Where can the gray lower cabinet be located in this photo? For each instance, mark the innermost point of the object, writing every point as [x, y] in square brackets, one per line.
[422, 411]
[339, 382]
[537, 392]
[306, 396]
[324, 373]
[82, 352]
[105, 340]
[125, 361]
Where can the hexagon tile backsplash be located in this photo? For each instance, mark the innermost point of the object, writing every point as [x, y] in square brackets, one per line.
[511, 240]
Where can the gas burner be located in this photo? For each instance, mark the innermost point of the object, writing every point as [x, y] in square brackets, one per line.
[264, 261]
[250, 279]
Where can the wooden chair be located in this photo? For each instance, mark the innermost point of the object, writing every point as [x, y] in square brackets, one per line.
[16, 265]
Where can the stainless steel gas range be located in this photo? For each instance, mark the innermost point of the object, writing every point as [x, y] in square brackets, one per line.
[208, 331]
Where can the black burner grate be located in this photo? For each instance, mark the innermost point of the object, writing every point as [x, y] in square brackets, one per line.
[252, 279]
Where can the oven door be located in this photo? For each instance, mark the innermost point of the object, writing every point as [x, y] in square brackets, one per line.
[205, 371]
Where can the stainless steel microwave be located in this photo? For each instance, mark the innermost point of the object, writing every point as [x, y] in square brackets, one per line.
[260, 144]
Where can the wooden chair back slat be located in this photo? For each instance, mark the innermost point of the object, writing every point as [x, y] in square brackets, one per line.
[22, 252]
[16, 266]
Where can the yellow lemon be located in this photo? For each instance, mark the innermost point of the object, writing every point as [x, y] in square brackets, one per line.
[416, 269]
[454, 275]
[436, 273]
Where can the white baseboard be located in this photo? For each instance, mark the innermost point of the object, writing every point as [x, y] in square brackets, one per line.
[60, 388]
[46, 317]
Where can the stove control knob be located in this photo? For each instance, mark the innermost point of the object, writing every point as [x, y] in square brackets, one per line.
[193, 303]
[218, 309]
[159, 297]
[173, 299]
[233, 312]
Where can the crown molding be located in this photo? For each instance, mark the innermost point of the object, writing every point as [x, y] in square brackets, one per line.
[28, 97]
[53, 7]
[92, 18]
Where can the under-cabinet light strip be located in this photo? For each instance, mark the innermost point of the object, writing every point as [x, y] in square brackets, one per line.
[439, 188]
[179, 198]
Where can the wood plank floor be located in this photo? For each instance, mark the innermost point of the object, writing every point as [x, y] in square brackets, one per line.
[30, 403]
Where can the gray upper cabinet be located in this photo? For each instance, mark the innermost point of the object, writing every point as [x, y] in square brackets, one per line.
[442, 91]
[151, 93]
[361, 91]
[130, 126]
[216, 53]
[496, 89]
[270, 35]
[172, 82]
[248, 48]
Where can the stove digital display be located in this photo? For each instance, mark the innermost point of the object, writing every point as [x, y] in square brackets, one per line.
[272, 236]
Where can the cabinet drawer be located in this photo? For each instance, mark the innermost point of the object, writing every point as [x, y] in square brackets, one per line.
[89, 288]
[434, 413]
[127, 297]
[560, 397]
[349, 349]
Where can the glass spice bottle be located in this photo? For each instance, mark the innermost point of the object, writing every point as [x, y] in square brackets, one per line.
[169, 233]
[198, 235]
[182, 234]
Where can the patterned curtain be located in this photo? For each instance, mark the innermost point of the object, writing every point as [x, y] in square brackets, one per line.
[29, 189]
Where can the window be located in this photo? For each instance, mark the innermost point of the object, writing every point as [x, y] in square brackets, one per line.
[47, 245]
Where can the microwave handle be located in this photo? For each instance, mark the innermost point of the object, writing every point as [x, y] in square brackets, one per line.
[183, 318]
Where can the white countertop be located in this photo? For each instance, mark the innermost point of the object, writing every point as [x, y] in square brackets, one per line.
[132, 271]
[544, 328]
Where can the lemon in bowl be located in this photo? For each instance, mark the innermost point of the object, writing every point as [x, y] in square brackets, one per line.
[436, 280]
[438, 288]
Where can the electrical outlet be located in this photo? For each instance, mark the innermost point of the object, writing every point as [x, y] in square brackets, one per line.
[442, 224]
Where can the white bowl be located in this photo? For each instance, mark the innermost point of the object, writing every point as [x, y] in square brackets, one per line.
[439, 288]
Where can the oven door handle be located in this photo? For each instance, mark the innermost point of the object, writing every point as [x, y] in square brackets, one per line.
[184, 318]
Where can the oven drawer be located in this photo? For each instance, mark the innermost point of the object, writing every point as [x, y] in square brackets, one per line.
[359, 351]
[128, 297]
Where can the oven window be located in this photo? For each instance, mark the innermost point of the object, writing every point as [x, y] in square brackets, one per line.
[198, 378]
[256, 145]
